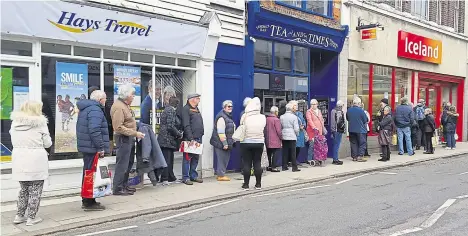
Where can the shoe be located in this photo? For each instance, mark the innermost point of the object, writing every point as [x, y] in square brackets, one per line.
[187, 182]
[427, 153]
[453, 148]
[130, 189]
[93, 207]
[418, 148]
[411, 154]
[223, 178]
[258, 186]
[122, 193]
[337, 162]
[19, 219]
[296, 170]
[383, 159]
[31, 222]
[197, 180]
[275, 170]
[361, 159]
[401, 154]
[285, 169]
[355, 159]
[269, 169]
[447, 148]
[245, 187]
[165, 183]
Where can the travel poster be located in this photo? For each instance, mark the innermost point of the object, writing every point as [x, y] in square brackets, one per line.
[6, 104]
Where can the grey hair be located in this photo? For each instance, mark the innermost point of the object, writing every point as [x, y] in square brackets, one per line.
[227, 103]
[387, 108]
[428, 110]
[289, 106]
[294, 102]
[404, 101]
[313, 100]
[274, 109]
[246, 101]
[421, 100]
[150, 84]
[356, 101]
[169, 89]
[339, 103]
[97, 95]
[125, 91]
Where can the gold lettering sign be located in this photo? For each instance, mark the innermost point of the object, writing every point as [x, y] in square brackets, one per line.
[270, 5]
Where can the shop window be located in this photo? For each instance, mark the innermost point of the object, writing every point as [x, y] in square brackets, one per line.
[138, 57]
[318, 6]
[432, 102]
[420, 8]
[358, 82]
[403, 85]
[60, 106]
[296, 3]
[16, 48]
[86, 52]
[186, 63]
[14, 83]
[301, 60]
[263, 55]
[381, 88]
[282, 57]
[116, 55]
[56, 48]
[165, 60]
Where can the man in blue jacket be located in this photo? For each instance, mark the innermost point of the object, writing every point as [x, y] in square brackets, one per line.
[147, 104]
[357, 123]
[92, 136]
[404, 118]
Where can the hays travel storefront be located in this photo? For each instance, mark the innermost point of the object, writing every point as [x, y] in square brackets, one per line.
[292, 54]
[57, 55]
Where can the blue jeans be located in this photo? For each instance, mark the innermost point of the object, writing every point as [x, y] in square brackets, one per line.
[451, 139]
[336, 145]
[310, 152]
[189, 166]
[407, 133]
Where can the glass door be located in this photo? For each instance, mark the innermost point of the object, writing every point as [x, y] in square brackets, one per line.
[15, 90]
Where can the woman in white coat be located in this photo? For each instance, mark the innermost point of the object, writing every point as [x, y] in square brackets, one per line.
[29, 136]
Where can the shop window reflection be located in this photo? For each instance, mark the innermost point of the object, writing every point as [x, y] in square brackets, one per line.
[403, 84]
[282, 57]
[381, 88]
[263, 55]
[301, 60]
[358, 82]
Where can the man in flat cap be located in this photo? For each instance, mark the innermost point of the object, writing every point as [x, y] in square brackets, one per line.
[192, 122]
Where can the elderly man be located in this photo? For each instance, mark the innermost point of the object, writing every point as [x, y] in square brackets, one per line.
[147, 104]
[92, 136]
[192, 123]
[357, 119]
[338, 128]
[404, 118]
[124, 124]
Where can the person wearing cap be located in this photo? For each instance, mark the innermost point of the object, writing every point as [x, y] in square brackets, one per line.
[192, 123]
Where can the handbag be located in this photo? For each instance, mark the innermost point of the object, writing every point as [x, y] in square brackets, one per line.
[394, 139]
[239, 134]
[97, 181]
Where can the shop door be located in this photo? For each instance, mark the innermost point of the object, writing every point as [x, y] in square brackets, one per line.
[14, 79]
[269, 101]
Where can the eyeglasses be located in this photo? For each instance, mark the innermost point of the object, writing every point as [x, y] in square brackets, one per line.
[229, 106]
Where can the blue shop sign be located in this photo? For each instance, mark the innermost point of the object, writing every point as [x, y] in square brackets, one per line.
[291, 34]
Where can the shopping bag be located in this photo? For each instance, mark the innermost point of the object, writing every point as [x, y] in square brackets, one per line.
[394, 139]
[134, 178]
[264, 162]
[239, 134]
[187, 147]
[97, 181]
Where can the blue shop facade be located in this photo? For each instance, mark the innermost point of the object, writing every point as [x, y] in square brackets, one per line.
[290, 53]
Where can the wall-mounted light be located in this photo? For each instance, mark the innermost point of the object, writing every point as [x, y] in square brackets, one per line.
[362, 26]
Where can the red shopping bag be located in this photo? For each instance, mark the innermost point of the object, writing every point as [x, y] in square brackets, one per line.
[97, 180]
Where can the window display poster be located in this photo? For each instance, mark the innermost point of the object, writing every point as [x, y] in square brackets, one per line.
[71, 86]
[128, 75]
[323, 106]
[6, 79]
[20, 95]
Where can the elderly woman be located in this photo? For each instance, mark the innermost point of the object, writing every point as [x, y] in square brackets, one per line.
[168, 92]
[125, 129]
[314, 122]
[428, 127]
[338, 128]
[253, 143]
[29, 136]
[290, 131]
[386, 131]
[273, 138]
[300, 143]
[451, 121]
[221, 139]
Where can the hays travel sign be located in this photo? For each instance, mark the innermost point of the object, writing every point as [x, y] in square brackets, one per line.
[293, 35]
[77, 23]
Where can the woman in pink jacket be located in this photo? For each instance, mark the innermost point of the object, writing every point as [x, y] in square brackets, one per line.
[314, 121]
[273, 138]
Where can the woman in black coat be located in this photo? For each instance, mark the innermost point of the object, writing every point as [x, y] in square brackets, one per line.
[169, 135]
[451, 121]
[429, 127]
[386, 130]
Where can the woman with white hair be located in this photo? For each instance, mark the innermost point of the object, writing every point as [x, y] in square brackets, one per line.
[125, 129]
[221, 139]
[30, 137]
[290, 131]
[314, 122]
[338, 128]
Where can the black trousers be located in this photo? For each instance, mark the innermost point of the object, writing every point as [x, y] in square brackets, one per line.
[88, 159]
[429, 146]
[358, 144]
[272, 152]
[289, 153]
[385, 152]
[168, 172]
[421, 139]
[252, 155]
[366, 152]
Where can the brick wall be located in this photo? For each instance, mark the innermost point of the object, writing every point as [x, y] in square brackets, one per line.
[461, 17]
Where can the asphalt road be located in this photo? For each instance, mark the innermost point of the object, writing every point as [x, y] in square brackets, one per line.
[380, 203]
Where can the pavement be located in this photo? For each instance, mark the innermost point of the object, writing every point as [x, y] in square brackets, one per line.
[65, 213]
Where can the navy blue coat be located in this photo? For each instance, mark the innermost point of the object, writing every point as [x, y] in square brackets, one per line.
[91, 127]
[357, 120]
[404, 116]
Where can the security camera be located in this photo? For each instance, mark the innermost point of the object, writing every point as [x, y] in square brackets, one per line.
[253, 39]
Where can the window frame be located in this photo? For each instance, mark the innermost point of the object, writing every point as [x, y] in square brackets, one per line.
[303, 8]
[426, 17]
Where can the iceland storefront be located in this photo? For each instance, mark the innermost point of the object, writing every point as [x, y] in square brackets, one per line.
[291, 53]
[55, 56]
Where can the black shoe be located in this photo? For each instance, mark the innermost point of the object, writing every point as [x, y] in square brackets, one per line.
[285, 169]
[337, 162]
[258, 186]
[296, 170]
[131, 189]
[275, 170]
[269, 169]
[383, 159]
[401, 154]
[93, 207]
[245, 187]
[122, 193]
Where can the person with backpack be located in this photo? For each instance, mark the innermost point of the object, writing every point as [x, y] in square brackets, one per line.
[419, 113]
[338, 128]
[443, 118]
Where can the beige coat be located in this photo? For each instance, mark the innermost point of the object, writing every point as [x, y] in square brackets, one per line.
[123, 119]
[29, 136]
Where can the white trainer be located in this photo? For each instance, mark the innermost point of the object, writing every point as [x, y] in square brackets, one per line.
[19, 219]
[34, 221]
